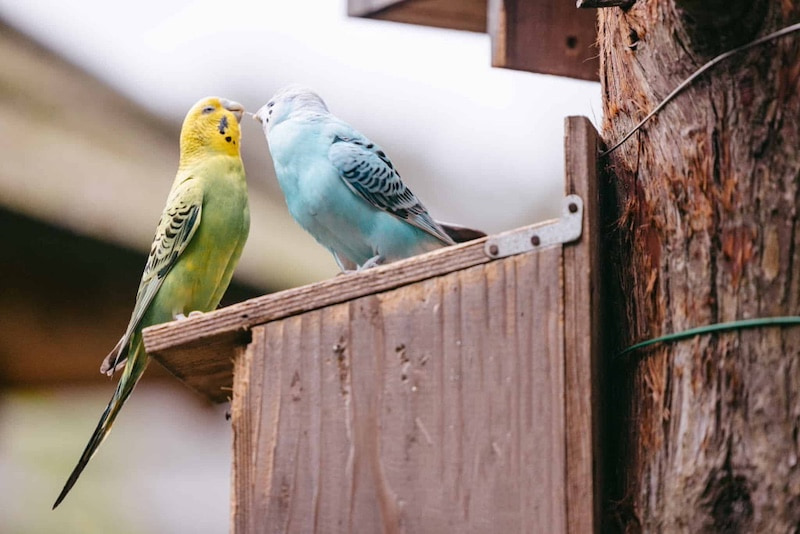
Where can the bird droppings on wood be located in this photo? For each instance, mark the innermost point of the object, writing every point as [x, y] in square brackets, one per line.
[296, 387]
[344, 368]
[405, 361]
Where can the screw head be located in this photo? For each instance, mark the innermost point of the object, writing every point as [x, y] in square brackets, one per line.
[493, 250]
[535, 240]
[573, 208]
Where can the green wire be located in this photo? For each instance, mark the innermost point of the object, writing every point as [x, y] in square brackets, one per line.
[718, 327]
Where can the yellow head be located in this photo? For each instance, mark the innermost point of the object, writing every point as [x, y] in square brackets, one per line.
[211, 127]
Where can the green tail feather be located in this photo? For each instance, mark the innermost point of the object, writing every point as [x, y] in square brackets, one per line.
[133, 372]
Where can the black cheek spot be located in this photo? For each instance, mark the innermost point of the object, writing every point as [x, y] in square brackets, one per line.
[223, 124]
[228, 139]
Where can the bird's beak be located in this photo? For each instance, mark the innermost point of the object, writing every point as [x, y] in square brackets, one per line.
[257, 116]
[234, 107]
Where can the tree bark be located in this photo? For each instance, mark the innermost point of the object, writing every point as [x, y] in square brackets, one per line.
[707, 231]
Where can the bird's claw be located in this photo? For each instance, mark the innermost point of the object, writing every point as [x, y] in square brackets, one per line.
[181, 317]
[372, 262]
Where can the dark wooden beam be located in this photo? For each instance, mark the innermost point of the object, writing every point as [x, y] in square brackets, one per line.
[545, 36]
[542, 36]
[469, 15]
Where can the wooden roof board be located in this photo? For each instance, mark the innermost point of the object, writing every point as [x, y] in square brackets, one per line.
[542, 36]
[468, 15]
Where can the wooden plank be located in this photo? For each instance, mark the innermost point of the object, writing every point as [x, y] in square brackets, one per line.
[543, 449]
[469, 15]
[435, 407]
[544, 36]
[254, 407]
[211, 372]
[582, 304]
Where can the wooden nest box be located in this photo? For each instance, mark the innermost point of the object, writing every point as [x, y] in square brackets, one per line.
[450, 392]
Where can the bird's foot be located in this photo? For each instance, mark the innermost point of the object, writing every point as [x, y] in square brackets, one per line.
[372, 262]
[181, 317]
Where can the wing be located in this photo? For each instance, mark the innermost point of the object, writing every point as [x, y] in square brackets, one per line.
[177, 225]
[369, 173]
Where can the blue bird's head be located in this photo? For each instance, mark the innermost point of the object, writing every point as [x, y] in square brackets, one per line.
[287, 101]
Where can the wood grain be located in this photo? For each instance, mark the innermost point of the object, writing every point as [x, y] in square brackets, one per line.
[430, 408]
[708, 231]
[583, 344]
[544, 36]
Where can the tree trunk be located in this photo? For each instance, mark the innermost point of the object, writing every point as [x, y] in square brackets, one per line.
[707, 231]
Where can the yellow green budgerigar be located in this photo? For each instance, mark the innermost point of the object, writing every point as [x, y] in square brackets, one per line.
[198, 242]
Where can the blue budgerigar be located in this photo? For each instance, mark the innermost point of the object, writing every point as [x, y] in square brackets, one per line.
[343, 189]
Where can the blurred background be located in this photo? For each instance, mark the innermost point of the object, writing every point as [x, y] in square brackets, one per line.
[92, 95]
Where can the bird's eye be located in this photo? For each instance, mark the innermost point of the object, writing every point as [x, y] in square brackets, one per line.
[207, 110]
[270, 104]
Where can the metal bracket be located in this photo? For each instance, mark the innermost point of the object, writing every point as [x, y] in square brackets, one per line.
[546, 234]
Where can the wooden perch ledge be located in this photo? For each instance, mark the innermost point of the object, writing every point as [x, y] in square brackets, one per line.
[200, 351]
